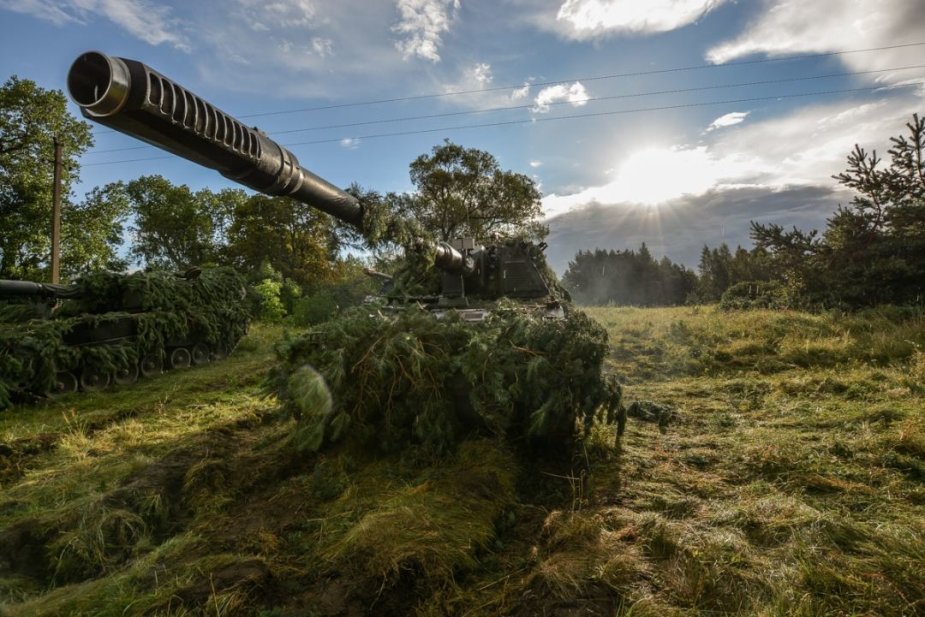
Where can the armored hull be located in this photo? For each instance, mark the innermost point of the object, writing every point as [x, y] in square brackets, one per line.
[113, 328]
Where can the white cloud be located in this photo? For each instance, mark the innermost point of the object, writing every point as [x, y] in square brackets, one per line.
[787, 27]
[148, 22]
[521, 93]
[658, 174]
[153, 24]
[585, 19]
[308, 53]
[535, 164]
[309, 49]
[322, 47]
[476, 81]
[574, 94]
[481, 73]
[423, 23]
[49, 10]
[730, 119]
[266, 16]
[350, 143]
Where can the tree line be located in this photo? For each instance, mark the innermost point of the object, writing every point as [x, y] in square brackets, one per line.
[631, 277]
[871, 252]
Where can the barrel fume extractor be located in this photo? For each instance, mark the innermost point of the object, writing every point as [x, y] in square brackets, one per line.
[132, 98]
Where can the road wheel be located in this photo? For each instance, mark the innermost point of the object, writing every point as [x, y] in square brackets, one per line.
[126, 375]
[65, 383]
[200, 354]
[179, 358]
[151, 365]
[92, 379]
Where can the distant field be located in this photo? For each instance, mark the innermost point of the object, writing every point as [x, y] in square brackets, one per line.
[792, 483]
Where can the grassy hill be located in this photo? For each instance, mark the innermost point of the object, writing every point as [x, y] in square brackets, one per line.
[788, 480]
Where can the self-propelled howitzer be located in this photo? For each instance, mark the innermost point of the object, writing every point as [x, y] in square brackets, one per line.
[132, 98]
[528, 367]
[111, 327]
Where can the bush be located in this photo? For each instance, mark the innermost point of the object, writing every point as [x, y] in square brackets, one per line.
[325, 300]
[271, 306]
[314, 308]
[289, 294]
[413, 378]
[755, 295]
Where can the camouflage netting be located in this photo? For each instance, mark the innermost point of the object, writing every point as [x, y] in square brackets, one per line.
[412, 377]
[159, 308]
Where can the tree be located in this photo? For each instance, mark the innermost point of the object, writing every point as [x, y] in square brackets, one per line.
[715, 270]
[872, 251]
[463, 192]
[875, 250]
[176, 227]
[295, 239]
[94, 231]
[30, 120]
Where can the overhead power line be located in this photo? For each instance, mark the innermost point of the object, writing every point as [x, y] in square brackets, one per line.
[556, 118]
[560, 103]
[607, 113]
[676, 69]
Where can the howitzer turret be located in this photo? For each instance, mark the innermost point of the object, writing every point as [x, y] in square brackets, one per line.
[134, 99]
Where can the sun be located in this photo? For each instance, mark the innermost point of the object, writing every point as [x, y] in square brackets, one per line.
[656, 175]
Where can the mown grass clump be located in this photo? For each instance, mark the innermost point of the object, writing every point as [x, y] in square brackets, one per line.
[434, 529]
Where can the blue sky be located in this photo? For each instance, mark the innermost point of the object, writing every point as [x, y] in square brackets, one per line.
[675, 179]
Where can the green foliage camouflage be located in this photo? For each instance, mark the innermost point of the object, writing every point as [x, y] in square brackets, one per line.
[412, 377]
[162, 309]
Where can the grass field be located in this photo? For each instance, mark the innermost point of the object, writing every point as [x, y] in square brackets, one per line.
[790, 482]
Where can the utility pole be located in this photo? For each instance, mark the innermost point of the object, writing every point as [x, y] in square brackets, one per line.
[56, 216]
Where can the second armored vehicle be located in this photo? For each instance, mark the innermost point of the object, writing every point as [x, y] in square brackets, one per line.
[114, 328]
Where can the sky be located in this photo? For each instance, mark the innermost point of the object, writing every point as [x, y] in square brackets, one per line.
[669, 122]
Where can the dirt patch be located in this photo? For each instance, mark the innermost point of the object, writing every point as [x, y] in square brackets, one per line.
[594, 601]
[327, 597]
[246, 576]
[22, 549]
[14, 456]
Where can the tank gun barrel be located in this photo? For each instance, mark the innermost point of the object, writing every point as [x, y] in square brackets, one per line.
[130, 97]
[449, 259]
[29, 289]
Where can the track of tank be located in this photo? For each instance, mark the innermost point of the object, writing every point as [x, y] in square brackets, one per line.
[175, 355]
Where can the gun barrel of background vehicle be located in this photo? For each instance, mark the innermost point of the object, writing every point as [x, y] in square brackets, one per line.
[29, 289]
[130, 97]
